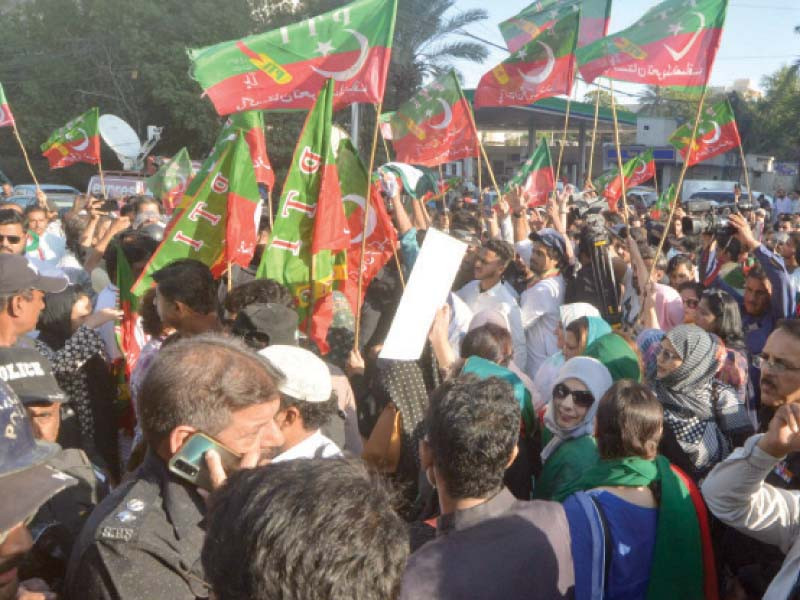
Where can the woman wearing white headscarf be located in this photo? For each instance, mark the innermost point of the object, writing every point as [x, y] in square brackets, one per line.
[546, 375]
[569, 424]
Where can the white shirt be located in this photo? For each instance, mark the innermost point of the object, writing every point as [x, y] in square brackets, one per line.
[498, 298]
[540, 317]
[50, 249]
[460, 317]
[314, 446]
[784, 206]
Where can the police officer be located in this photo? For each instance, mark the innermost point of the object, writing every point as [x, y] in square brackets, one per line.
[59, 521]
[144, 540]
[26, 483]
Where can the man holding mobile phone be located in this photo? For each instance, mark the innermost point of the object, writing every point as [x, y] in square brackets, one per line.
[145, 539]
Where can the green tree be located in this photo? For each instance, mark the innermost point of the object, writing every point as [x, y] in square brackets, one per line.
[775, 116]
[605, 98]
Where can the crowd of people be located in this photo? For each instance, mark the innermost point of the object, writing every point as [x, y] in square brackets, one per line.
[607, 406]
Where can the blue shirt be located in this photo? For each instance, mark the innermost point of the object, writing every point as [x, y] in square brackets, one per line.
[632, 539]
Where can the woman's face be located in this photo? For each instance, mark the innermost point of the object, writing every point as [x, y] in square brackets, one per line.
[690, 304]
[80, 310]
[704, 318]
[560, 336]
[566, 411]
[572, 347]
[667, 360]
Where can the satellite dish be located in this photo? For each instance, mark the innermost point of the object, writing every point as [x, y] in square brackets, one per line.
[122, 139]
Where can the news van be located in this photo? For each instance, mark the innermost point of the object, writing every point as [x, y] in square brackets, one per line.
[118, 186]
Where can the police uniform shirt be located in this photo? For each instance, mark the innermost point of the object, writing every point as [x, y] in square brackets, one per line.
[143, 541]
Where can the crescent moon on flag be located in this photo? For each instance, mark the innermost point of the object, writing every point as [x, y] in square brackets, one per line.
[448, 115]
[81, 147]
[640, 170]
[372, 219]
[544, 72]
[678, 55]
[353, 70]
[716, 136]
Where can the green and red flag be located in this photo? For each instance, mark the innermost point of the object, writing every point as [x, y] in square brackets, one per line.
[542, 68]
[169, 183]
[217, 222]
[286, 68]
[535, 176]
[381, 234]
[130, 343]
[251, 123]
[435, 126]
[540, 16]
[636, 171]
[673, 44]
[6, 118]
[417, 182]
[306, 252]
[716, 134]
[661, 207]
[77, 141]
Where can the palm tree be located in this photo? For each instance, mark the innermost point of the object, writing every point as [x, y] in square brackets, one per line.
[425, 44]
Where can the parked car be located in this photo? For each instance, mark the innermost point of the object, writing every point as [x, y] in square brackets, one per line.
[643, 197]
[61, 195]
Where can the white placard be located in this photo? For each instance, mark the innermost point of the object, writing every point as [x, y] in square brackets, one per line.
[426, 290]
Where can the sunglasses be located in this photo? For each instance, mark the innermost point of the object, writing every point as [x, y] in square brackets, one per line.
[12, 239]
[581, 398]
[691, 302]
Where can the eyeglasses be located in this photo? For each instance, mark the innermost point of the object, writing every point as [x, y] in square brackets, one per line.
[12, 239]
[581, 398]
[668, 354]
[691, 302]
[764, 362]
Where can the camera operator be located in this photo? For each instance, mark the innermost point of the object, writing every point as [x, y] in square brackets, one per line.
[768, 294]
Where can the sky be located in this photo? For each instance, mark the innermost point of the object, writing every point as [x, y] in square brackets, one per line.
[758, 38]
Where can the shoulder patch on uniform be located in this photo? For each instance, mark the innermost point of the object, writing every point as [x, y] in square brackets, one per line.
[116, 533]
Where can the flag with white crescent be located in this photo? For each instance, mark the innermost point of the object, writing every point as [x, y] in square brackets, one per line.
[717, 133]
[6, 118]
[636, 171]
[286, 68]
[435, 126]
[77, 141]
[673, 44]
[542, 68]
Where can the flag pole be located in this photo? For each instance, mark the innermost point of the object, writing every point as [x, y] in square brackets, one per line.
[594, 134]
[563, 143]
[678, 187]
[386, 149]
[441, 183]
[24, 153]
[741, 155]
[620, 174]
[102, 177]
[230, 276]
[269, 208]
[367, 204]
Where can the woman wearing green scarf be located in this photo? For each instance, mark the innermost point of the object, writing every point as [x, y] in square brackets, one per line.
[635, 530]
[569, 422]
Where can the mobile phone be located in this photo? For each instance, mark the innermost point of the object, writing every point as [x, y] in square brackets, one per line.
[189, 462]
[109, 206]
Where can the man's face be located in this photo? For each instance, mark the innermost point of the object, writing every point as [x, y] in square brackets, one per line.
[680, 274]
[12, 238]
[29, 311]
[487, 265]
[621, 250]
[254, 425]
[14, 545]
[540, 259]
[37, 221]
[166, 310]
[784, 386]
[785, 248]
[757, 294]
[7, 190]
[781, 193]
[46, 420]
[785, 226]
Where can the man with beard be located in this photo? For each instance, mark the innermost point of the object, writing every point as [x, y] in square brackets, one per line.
[12, 232]
[26, 484]
[755, 490]
[768, 294]
[488, 292]
[541, 301]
